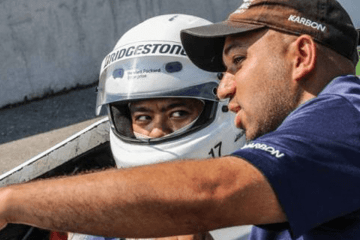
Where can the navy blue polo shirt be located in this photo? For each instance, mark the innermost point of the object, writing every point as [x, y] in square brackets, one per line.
[312, 162]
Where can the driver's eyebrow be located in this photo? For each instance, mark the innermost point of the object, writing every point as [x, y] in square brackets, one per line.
[173, 105]
[163, 109]
[139, 109]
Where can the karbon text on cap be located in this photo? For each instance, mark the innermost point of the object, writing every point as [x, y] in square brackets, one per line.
[325, 20]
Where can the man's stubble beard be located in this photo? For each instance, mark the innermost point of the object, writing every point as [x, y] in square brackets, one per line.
[279, 102]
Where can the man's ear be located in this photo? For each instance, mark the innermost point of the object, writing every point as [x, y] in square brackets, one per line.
[305, 54]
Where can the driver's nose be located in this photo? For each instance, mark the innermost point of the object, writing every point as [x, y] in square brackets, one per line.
[160, 128]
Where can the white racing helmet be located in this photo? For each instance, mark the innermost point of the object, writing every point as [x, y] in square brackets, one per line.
[149, 62]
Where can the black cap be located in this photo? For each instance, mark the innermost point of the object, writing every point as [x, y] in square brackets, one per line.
[325, 20]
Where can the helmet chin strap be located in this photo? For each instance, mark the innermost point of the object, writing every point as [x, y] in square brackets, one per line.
[179, 131]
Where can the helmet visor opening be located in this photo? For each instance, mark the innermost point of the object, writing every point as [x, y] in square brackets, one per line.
[123, 125]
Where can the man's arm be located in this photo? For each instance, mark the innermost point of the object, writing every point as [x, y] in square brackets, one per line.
[174, 198]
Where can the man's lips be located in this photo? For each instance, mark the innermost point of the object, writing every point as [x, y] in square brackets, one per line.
[236, 109]
[237, 120]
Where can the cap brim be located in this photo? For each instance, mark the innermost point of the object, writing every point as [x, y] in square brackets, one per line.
[204, 45]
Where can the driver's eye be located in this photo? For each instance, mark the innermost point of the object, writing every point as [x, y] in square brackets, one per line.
[179, 114]
[143, 118]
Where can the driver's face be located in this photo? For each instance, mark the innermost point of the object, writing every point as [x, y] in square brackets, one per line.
[158, 117]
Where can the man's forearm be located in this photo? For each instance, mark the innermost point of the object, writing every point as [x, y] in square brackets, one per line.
[167, 199]
[109, 203]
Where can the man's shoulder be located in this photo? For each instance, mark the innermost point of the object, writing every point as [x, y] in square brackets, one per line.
[340, 96]
[344, 86]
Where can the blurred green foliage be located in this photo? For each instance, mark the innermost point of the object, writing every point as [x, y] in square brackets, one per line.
[358, 67]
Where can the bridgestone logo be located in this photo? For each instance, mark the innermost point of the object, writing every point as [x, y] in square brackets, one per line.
[307, 22]
[265, 148]
[144, 49]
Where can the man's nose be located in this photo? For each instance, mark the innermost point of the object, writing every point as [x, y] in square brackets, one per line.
[226, 88]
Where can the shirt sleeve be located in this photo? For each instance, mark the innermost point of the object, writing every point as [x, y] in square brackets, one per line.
[312, 162]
